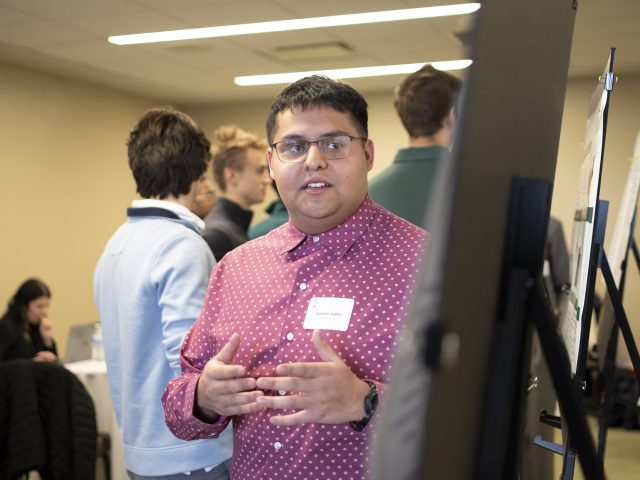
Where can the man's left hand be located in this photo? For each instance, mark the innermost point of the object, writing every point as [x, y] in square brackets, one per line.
[321, 392]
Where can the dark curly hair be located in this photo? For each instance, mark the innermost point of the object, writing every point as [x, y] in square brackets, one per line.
[168, 151]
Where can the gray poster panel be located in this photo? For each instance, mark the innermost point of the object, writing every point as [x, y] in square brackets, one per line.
[509, 126]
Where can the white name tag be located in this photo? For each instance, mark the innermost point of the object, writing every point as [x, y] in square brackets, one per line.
[328, 313]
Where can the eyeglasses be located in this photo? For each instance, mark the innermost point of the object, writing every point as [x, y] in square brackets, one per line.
[332, 148]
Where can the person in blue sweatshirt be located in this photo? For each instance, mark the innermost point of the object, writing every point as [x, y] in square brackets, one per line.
[149, 287]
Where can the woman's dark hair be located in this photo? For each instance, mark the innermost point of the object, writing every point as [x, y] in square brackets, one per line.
[26, 293]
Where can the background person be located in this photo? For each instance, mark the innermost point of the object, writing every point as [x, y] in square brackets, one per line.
[425, 103]
[205, 198]
[241, 173]
[149, 284]
[25, 328]
[278, 215]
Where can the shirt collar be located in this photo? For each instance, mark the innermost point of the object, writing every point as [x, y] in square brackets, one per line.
[339, 239]
[421, 154]
[180, 210]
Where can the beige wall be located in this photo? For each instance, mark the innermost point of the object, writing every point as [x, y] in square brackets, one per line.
[66, 182]
[65, 185]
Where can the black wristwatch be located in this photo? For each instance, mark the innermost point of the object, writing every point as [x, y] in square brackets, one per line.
[370, 405]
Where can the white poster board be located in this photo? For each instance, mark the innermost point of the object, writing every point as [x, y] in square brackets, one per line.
[620, 240]
[616, 254]
[583, 221]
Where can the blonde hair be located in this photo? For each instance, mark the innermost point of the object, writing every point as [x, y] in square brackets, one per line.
[228, 147]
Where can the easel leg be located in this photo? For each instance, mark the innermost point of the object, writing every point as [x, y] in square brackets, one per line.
[609, 367]
[559, 367]
[621, 317]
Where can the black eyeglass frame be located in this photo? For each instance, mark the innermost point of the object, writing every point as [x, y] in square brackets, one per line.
[317, 142]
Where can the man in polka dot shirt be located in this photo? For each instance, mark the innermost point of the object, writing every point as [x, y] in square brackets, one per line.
[297, 333]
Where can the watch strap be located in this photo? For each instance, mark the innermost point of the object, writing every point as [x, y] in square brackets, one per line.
[370, 406]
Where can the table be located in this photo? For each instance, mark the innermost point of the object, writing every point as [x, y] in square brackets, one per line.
[93, 375]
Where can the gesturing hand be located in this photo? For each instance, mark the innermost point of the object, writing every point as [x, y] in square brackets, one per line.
[322, 392]
[222, 387]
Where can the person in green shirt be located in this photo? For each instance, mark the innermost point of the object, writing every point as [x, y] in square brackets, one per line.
[425, 103]
[278, 215]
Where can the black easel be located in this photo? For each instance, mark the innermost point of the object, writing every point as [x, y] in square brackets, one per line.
[597, 250]
[597, 260]
[620, 323]
[523, 304]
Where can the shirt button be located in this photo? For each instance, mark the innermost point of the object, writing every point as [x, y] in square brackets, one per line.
[277, 445]
[289, 336]
[303, 286]
[316, 238]
[282, 392]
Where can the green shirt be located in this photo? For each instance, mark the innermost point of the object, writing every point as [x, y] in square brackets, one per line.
[277, 216]
[406, 187]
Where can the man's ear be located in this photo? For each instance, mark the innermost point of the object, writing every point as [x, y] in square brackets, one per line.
[369, 153]
[450, 120]
[229, 176]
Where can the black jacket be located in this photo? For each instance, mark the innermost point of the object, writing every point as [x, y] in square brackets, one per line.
[47, 422]
[15, 346]
[226, 227]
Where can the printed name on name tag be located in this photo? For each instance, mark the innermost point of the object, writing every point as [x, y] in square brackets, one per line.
[328, 313]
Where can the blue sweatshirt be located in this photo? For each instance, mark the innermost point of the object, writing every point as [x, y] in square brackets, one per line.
[149, 286]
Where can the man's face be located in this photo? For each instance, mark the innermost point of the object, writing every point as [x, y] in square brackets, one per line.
[320, 194]
[252, 181]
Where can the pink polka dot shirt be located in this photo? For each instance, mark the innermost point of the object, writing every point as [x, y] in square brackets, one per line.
[262, 290]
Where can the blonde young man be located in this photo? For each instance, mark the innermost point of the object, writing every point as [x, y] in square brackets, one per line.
[242, 176]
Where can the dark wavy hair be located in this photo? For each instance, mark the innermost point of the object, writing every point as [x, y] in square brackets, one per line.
[168, 151]
[320, 91]
[26, 293]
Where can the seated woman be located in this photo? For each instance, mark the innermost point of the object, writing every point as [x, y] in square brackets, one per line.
[25, 329]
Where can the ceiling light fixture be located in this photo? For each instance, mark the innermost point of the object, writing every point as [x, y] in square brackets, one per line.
[253, 80]
[297, 24]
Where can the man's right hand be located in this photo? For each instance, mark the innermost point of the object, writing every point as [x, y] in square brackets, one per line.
[223, 390]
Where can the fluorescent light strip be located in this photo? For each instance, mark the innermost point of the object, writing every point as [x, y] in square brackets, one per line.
[297, 24]
[253, 80]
